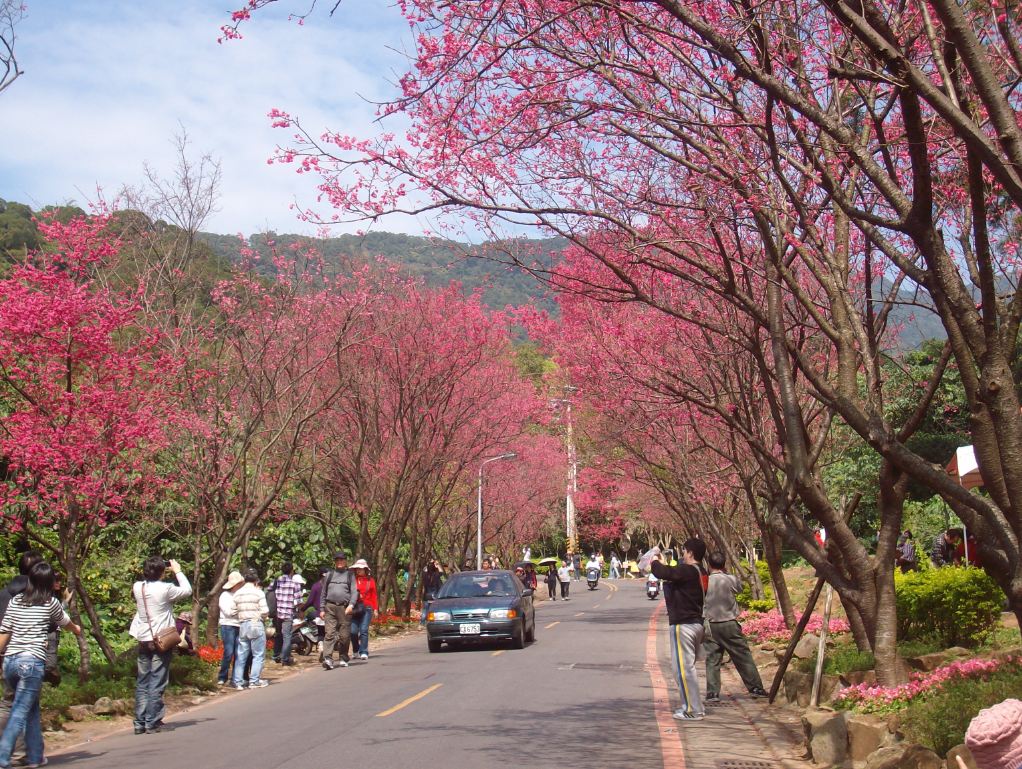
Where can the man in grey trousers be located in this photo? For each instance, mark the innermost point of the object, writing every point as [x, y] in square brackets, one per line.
[340, 594]
[721, 611]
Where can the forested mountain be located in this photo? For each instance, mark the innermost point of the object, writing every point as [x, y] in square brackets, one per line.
[436, 262]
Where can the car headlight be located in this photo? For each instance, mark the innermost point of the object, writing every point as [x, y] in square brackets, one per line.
[438, 616]
[503, 613]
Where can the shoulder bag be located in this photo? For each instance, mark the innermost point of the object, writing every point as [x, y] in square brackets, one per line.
[168, 638]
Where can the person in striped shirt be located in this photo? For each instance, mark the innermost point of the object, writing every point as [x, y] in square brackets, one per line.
[23, 638]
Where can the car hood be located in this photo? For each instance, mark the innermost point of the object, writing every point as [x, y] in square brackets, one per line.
[482, 602]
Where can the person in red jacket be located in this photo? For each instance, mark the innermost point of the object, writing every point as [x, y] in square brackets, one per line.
[363, 614]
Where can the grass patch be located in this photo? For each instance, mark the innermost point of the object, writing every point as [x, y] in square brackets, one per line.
[842, 658]
[939, 721]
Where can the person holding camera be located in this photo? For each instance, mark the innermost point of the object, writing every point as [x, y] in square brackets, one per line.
[154, 628]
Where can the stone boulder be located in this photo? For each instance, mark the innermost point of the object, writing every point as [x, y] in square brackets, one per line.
[806, 646]
[826, 736]
[928, 662]
[79, 712]
[124, 707]
[797, 687]
[965, 753]
[857, 677]
[866, 735]
[104, 707]
[904, 756]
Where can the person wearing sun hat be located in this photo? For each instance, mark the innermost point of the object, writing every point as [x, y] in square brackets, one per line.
[229, 627]
[994, 736]
[366, 607]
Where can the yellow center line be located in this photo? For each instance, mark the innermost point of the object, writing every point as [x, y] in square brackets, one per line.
[547, 627]
[409, 701]
[499, 651]
[580, 614]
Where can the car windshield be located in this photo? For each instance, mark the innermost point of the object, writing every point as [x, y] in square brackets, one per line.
[477, 585]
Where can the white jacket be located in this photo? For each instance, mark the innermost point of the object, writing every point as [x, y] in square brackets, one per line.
[160, 597]
[250, 601]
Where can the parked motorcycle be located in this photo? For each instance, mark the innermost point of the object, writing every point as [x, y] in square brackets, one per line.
[306, 634]
[592, 577]
[652, 588]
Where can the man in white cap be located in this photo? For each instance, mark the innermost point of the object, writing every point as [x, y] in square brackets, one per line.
[229, 626]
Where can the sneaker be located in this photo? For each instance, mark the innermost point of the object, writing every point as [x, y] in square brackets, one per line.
[260, 684]
[221, 683]
[154, 729]
[712, 697]
[44, 762]
[684, 715]
[363, 656]
[342, 663]
[277, 660]
[328, 664]
[757, 692]
[238, 687]
[139, 730]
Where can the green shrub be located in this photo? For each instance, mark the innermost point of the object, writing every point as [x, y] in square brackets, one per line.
[767, 603]
[959, 606]
[939, 721]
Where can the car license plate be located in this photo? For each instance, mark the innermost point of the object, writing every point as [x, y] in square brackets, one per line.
[469, 629]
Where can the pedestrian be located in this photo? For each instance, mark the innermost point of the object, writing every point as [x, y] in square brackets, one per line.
[487, 564]
[564, 577]
[228, 626]
[615, 566]
[526, 553]
[15, 587]
[551, 583]
[154, 612]
[367, 606]
[23, 639]
[432, 579]
[340, 594]
[945, 548]
[286, 590]
[720, 608]
[683, 594]
[575, 565]
[183, 625]
[905, 555]
[250, 601]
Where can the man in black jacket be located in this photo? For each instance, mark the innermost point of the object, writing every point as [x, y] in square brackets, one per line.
[16, 586]
[684, 588]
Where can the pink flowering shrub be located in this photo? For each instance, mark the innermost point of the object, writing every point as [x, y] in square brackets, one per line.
[874, 699]
[770, 627]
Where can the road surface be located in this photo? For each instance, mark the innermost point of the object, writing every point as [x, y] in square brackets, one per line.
[582, 694]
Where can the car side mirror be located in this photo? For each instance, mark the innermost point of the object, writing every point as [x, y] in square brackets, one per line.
[528, 591]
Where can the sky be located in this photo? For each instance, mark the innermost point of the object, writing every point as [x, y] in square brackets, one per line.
[108, 83]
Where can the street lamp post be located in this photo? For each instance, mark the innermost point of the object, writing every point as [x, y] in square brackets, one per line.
[479, 505]
[572, 487]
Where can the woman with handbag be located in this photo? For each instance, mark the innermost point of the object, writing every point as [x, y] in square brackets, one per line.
[23, 633]
[153, 627]
[367, 605]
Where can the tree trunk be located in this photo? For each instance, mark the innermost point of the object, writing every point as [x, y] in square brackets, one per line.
[885, 640]
[772, 555]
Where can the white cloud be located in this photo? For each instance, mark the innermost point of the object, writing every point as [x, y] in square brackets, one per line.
[108, 83]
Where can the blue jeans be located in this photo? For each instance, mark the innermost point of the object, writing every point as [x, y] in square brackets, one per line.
[23, 673]
[151, 682]
[282, 640]
[360, 631]
[229, 637]
[254, 647]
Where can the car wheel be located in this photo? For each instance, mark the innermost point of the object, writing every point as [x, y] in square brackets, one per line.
[434, 646]
[530, 632]
[518, 639]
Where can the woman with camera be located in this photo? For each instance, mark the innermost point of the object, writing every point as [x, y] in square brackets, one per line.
[153, 628]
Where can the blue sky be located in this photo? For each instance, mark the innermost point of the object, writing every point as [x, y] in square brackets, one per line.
[107, 84]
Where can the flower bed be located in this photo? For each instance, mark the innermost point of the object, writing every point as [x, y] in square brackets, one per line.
[210, 654]
[769, 627]
[880, 699]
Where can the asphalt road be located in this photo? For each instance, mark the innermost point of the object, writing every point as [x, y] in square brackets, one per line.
[580, 695]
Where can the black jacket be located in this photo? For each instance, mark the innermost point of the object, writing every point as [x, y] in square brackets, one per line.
[17, 585]
[683, 591]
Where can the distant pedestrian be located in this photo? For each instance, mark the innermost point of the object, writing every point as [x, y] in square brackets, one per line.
[564, 577]
[487, 564]
[721, 611]
[683, 594]
[551, 582]
[154, 611]
[575, 565]
[945, 548]
[615, 566]
[340, 594]
[905, 555]
[367, 606]
[252, 613]
[287, 591]
[229, 626]
[24, 633]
